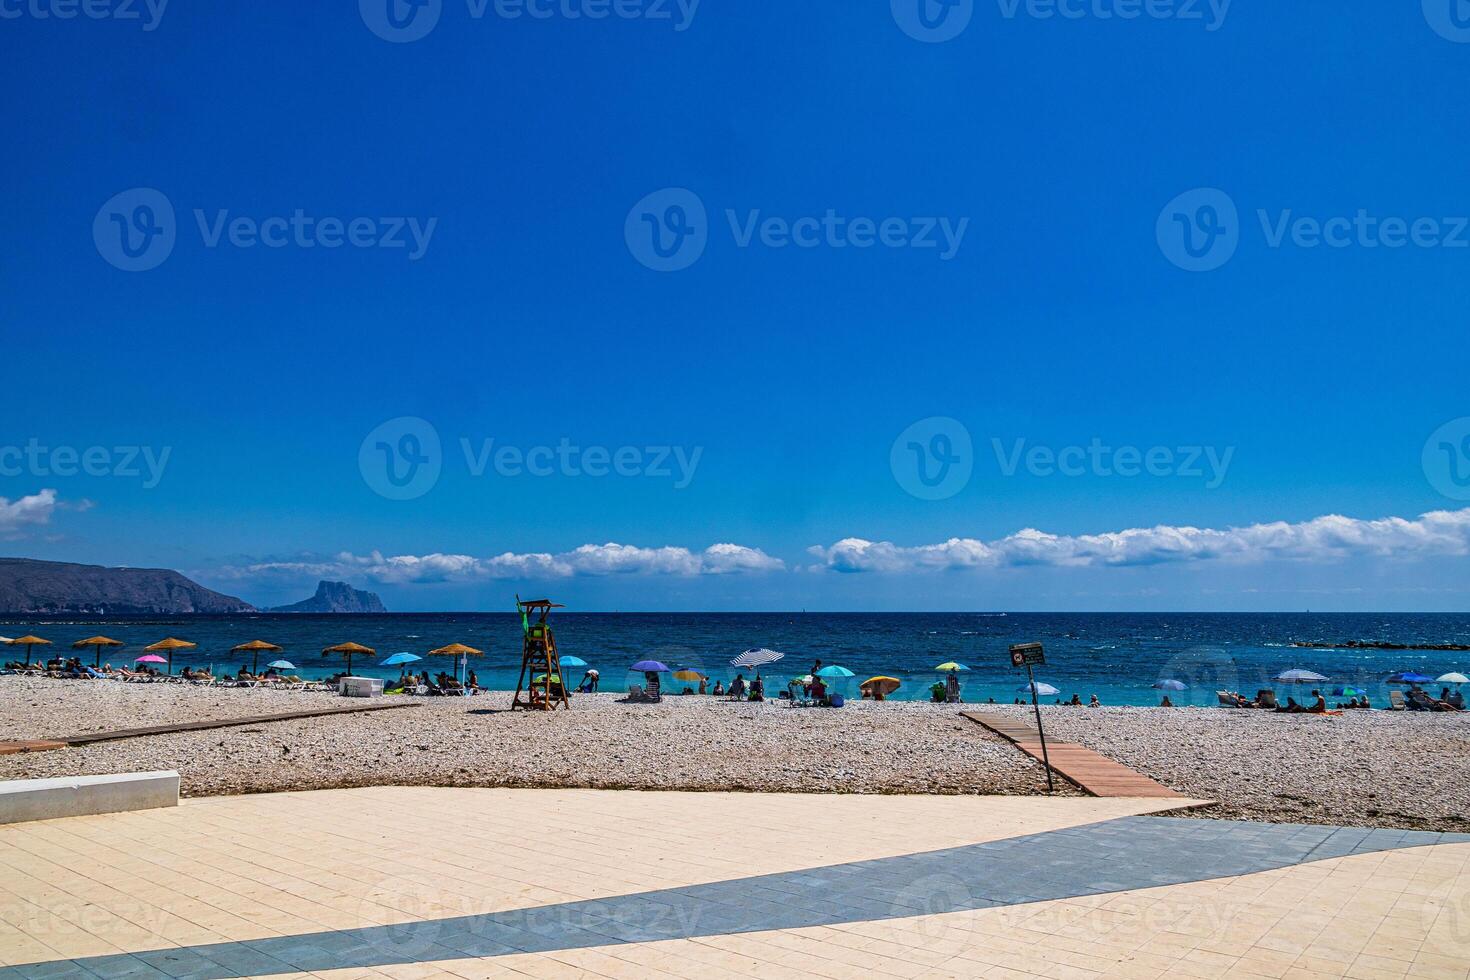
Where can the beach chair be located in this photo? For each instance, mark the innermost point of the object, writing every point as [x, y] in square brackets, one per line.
[1266, 698]
[1226, 701]
[1396, 701]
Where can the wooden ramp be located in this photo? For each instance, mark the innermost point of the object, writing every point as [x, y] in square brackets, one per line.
[1092, 773]
[88, 738]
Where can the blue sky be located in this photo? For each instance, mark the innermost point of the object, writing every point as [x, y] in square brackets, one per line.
[529, 152]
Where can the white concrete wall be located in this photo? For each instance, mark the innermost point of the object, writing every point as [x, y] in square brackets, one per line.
[44, 799]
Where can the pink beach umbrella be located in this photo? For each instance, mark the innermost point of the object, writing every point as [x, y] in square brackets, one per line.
[150, 658]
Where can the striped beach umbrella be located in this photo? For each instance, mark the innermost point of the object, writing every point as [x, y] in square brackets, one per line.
[756, 658]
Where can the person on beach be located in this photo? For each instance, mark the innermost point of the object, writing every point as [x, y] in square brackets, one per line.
[757, 688]
[952, 688]
[472, 682]
[818, 690]
[737, 686]
[1166, 703]
[1076, 701]
[719, 690]
[1319, 705]
[703, 685]
[1094, 703]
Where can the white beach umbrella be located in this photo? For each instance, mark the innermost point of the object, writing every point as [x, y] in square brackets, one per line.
[756, 658]
[1452, 678]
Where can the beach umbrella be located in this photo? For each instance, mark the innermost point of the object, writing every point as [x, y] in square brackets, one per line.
[1299, 677]
[1170, 685]
[99, 642]
[254, 647]
[150, 658]
[756, 658]
[541, 679]
[1452, 678]
[649, 667]
[887, 685]
[571, 661]
[1042, 690]
[170, 645]
[282, 665]
[833, 670]
[399, 659]
[950, 665]
[349, 649]
[1412, 677]
[1347, 692]
[689, 675]
[459, 652]
[28, 642]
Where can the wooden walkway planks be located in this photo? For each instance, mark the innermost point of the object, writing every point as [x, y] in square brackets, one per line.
[89, 738]
[1092, 773]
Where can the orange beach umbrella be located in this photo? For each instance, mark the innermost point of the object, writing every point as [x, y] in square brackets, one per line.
[169, 646]
[349, 649]
[255, 646]
[99, 642]
[28, 642]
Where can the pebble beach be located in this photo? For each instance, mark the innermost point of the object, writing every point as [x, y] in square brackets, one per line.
[1377, 769]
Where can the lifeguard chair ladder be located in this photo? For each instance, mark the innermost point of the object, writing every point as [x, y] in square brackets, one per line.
[539, 659]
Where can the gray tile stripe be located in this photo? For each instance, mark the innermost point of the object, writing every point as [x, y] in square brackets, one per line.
[1116, 855]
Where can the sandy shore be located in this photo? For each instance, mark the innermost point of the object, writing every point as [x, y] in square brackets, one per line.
[1382, 769]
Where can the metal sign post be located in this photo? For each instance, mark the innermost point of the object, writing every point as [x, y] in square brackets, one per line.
[1026, 655]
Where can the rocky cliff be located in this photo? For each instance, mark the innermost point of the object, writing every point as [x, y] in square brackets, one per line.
[30, 586]
[335, 597]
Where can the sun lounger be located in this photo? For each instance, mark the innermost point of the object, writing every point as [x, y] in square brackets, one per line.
[1396, 701]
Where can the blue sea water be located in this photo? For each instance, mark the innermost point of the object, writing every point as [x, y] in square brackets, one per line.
[1117, 656]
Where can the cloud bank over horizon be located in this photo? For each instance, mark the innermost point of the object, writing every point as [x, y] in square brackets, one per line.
[1323, 539]
[29, 511]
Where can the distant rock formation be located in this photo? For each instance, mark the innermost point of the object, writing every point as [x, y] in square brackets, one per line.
[335, 597]
[50, 587]
[1380, 645]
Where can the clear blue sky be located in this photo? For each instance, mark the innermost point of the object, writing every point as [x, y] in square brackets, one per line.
[1058, 319]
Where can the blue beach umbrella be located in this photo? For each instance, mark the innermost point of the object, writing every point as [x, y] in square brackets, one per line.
[399, 659]
[650, 667]
[571, 661]
[1171, 685]
[282, 665]
[1409, 677]
[834, 670]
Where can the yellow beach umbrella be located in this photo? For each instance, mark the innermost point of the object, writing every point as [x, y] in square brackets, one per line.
[349, 649]
[255, 647]
[170, 645]
[99, 642]
[689, 675]
[885, 685]
[456, 650]
[28, 642]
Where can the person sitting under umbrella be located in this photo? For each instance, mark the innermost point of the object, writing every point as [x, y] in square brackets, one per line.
[737, 686]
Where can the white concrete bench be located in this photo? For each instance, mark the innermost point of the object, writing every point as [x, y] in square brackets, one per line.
[75, 796]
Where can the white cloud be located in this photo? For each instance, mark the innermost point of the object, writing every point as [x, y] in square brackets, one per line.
[588, 560]
[30, 511]
[1437, 533]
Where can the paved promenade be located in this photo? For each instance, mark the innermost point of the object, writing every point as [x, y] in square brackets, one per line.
[420, 882]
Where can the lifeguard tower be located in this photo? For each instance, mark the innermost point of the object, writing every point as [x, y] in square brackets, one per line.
[541, 680]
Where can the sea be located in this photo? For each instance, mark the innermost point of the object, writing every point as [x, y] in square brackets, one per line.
[1119, 657]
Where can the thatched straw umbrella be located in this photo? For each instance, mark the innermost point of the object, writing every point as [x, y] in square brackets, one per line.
[170, 645]
[349, 649]
[28, 642]
[254, 647]
[456, 650]
[99, 642]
